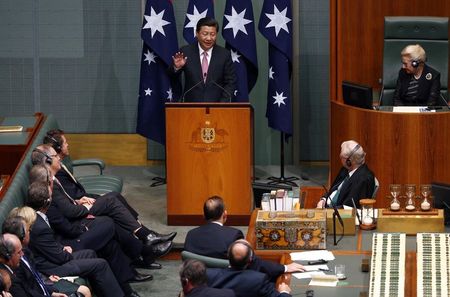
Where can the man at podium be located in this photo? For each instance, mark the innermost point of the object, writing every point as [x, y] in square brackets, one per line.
[209, 74]
[417, 84]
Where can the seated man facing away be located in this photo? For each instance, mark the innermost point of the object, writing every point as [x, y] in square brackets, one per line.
[213, 240]
[193, 281]
[242, 280]
[354, 181]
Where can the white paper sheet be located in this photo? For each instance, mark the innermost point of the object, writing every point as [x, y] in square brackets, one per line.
[312, 256]
[324, 281]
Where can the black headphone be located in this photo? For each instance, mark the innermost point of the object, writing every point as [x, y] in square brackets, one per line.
[415, 63]
[48, 158]
[184, 281]
[56, 144]
[348, 162]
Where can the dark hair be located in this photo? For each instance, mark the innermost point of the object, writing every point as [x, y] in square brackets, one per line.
[206, 21]
[16, 226]
[53, 138]
[213, 208]
[193, 271]
[237, 261]
[38, 195]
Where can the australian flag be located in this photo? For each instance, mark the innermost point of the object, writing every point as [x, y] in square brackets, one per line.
[160, 43]
[197, 9]
[239, 34]
[275, 24]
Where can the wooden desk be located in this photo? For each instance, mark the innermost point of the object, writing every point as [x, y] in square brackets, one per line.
[13, 145]
[402, 148]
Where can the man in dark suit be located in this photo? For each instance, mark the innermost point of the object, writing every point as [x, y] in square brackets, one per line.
[209, 74]
[354, 181]
[82, 211]
[53, 258]
[193, 281]
[243, 281]
[214, 238]
[417, 83]
[27, 281]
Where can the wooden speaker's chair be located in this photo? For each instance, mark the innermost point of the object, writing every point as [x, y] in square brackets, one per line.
[430, 32]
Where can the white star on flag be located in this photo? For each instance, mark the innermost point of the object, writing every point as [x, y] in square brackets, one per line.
[271, 73]
[235, 56]
[148, 92]
[155, 22]
[278, 20]
[150, 57]
[194, 17]
[169, 94]
[237, 22]
[279, 99]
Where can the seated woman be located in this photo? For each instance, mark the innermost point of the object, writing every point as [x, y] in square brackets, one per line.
[417, 84]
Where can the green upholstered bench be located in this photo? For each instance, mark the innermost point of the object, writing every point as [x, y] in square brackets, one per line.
[95, 184]
[208, 261]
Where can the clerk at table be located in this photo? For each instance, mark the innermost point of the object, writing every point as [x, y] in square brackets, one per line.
[354, 181]
[417, 84]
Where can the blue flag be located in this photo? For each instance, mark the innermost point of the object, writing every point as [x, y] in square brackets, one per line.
[275, 25]
[239, 34]
[160, 43]
[196, 10]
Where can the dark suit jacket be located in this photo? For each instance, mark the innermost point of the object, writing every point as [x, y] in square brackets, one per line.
[429, 89]
[220, 71]
[211, 240]
[360, 185]
[73, 188]
[205, 291]
[24, 284]
[245, 283]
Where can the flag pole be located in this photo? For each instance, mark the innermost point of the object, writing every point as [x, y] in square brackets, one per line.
[282, 179]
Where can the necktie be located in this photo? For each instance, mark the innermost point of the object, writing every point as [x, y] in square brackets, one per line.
[67, 195]
[204, 65]
[36, 276]
[336, 197]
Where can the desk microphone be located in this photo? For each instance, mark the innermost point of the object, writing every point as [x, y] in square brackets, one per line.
[381, 97]
[190, 89]
[443, 99]
[223, 89]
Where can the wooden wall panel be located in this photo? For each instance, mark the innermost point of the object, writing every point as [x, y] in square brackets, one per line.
[114, 149]
[356, 40]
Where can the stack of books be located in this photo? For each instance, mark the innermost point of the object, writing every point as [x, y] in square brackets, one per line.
[281, 200]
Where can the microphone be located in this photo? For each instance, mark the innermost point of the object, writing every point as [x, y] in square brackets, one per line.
[223, 89]
[443, 99]
[335, 210]
[381, 97]
[356, 209]
[190, 89]
[326, 194]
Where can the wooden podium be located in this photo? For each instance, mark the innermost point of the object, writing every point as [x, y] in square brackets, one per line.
[209, 151]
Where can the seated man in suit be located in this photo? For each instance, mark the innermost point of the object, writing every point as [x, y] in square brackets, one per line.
[417, 83]
[213, 240]
[353, 182]
[209, 73]
[193, 281]
[243, 281]
[129, 230]
[53, 258]
[27, 280]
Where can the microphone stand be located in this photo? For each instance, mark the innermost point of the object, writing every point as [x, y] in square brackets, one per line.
[282, 179]
[335, 210]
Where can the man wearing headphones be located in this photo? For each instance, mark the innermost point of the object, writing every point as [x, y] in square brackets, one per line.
[193, 281]
[243, 281]
[417, 84]
[354, 181]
